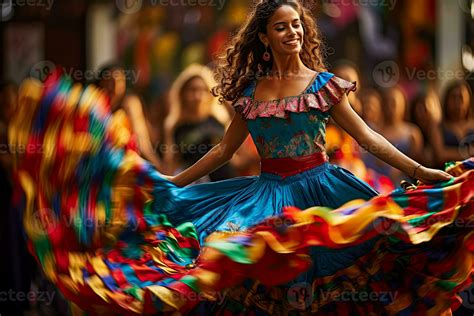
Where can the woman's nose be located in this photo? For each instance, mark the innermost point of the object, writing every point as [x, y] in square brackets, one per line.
[293, 30]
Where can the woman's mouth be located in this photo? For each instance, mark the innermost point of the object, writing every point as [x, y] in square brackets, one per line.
[293, 42]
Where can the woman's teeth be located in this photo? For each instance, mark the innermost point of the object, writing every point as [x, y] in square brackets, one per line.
[292, 42]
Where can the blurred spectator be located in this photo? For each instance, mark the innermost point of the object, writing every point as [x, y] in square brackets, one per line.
[349, 71]
[402, 134]
[372, 108]
[340, 146]
[155, 116]
[196, 122]
[426, 114]
[113, 81]
[458, 123]
[371, 100]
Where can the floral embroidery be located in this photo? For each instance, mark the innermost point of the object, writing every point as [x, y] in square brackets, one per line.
[266, 147]
[313, 118]
[300, 145]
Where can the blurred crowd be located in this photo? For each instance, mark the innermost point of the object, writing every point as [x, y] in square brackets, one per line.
[430, 128]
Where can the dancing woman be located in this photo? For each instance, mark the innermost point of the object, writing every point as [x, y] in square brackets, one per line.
[117, 236]
[280, 43]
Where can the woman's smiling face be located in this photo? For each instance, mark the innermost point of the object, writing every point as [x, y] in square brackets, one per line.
[284, 32]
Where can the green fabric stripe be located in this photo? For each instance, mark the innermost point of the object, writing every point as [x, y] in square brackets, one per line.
[191, 281]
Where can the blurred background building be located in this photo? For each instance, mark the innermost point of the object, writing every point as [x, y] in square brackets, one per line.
[158, 38]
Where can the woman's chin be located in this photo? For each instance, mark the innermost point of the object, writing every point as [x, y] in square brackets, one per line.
[292, 52]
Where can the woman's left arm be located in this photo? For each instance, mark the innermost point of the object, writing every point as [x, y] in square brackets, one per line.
[377, 145]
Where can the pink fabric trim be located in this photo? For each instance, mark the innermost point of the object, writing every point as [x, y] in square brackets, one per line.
[323, 99]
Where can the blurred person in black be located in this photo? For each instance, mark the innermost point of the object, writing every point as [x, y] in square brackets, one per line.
[196, 122]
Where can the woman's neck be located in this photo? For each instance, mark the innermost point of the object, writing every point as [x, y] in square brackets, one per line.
[288, 67]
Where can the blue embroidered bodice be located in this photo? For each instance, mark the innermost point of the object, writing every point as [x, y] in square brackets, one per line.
[296, 125]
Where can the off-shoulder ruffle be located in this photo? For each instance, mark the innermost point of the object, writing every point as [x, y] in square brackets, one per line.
[323, 99]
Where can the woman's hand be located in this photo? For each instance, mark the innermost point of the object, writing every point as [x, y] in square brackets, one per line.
[428, 175]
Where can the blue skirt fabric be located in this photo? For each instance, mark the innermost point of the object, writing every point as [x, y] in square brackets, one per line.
[239, 203]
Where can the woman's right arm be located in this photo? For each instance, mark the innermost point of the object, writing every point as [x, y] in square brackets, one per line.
[218, 155]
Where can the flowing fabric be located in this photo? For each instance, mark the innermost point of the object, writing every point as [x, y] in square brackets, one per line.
[118, 238]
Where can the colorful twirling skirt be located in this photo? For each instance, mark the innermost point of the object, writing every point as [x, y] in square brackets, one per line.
[118, 238]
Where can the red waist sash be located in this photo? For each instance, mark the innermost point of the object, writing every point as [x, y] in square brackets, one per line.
[285, 167]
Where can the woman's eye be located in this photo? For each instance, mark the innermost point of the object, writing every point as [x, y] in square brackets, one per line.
[296, 26]
[280, 29]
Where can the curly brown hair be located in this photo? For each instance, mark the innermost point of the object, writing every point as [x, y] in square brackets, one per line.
[242, 62]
